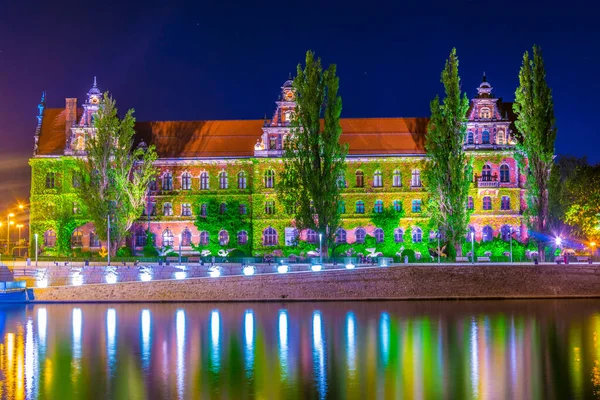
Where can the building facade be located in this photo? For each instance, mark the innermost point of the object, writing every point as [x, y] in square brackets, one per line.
[230, 168]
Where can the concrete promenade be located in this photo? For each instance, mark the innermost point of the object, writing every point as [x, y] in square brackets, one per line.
[400, 282]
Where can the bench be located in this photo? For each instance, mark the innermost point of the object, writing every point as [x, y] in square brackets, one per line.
[462, 259]
[583, 258]
[483, 259]
[192, 260]
[559, 260]
[172, 260]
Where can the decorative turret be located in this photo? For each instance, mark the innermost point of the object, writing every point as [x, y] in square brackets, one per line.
[485, 89]
[90, 107]
[39, 118]
[274, 131]
[78, 133]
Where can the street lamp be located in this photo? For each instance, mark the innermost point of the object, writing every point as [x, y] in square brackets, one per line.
[180, 237]
[510, 232]
[19, 227]
[321, 248]
[438, 249]
[472, 247]
[8, 224]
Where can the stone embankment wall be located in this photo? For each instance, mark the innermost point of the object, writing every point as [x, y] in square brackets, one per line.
[402, 282]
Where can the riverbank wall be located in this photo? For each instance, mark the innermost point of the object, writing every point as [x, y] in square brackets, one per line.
[365, 283]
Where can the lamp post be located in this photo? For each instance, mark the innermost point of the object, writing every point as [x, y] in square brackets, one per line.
[36, 249]
[510, 232]
[438, 249]
[321, 249]
[108, 236]
[180, 237]
[19, 227]
[8, 224]
[472, 247]
[592, 245]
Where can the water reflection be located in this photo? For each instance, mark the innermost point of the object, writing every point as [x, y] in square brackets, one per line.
[516, 350]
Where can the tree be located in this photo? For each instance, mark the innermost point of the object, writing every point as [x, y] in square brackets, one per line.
[537, 132]
[448, 170]
[581, 201]
[313, 157]
[562, 174]
[115, 175]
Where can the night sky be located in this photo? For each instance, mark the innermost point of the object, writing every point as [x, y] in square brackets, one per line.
[190, 60]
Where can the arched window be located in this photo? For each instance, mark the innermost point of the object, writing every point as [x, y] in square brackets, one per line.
[204, 180]
[223, 208]
[470, 139]
[167, 181]
[378, 233]
[470, 204]
[398, 235]
[485, 137]
[94, 240]
[397, 205]
[500, 137]
[505, 232]
[341, 180]
[311, 236]
[488, 233]
[167, 209]
[378, 206]
[377, 180]
[417, 235]
[270, 237]
[360, 207]
[77, 238]
[360, 235]
[505, 203]
[340, 236]
[242, 237]
[486, 173]
[269, 178]
[223, 238]
[360, 179]
[186, 181]
[487, 203]
[50, 180]
[416, 178]
[241, 180]
[223, 184]
[204, 238]
[167, 238]
[186, 237]
[152, 185]
[397, 178]
[504, 173]
[186, 210]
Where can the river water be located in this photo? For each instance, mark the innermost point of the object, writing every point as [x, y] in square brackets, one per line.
[536, 349]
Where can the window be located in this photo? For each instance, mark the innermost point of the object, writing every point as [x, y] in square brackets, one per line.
[222, 208]
[341, 180]
[49, 238]
[76, 180]
[416, 206]
[186, 210]
[204, 238]
[470, 137]
[152, 185]
[140, 237]
[203, 210]
[470, 204]
[417, 235]
[505, 203]
[342, 207]
[167, 209]
[377, 180]
[223, 180]
[487, 203]
[204, 181]
[397, 178]
[378, 233]
[241, 180]
[505, 232]
[186, 238]
[486, 173]
[167, 238]
[432, 236]
[484, 112]
[242, 237]
[360, 235]
[397, 205]
[378, 206]
[360, 179]
[487, 233]
[243, 210]
[398, 235]
[50, 180]
[500, 137]
[153, 209]
[360, 207]
[94, 240]
[77, 238]
[340, 236]
[269, 207]
[270, 237]
[186, 181]
[504, 173]
[311, 236]
[167, 181]
[416, 178]
[269, 178]
[223, 238]
[485, 137]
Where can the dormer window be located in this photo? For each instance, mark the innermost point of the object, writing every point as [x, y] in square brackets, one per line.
[485, 113]
[287, 116]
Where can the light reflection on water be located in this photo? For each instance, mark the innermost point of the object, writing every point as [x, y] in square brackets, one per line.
[517, 350]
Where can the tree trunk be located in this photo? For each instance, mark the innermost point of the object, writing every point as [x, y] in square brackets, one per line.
[458, 248]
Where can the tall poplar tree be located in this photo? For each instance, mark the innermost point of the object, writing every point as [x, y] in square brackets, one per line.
[115, 175]
[537, 132]
[313, 157]
[448, 170]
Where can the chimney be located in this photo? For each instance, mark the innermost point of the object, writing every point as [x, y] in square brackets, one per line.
[71, 114]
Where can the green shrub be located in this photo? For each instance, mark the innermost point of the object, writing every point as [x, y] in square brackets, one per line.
[124, 252]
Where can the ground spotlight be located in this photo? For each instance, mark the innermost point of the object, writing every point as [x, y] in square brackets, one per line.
[111, 278]
[249, 270]
[180, 275]
[316, 267]
[214, 272]
[282, 269]
[350, 266]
